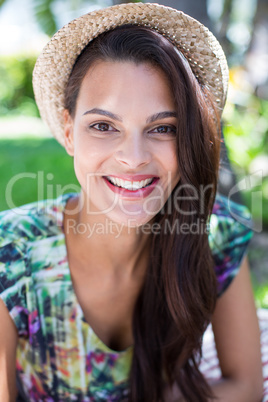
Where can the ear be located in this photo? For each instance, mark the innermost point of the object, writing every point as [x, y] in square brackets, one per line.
[68, 133]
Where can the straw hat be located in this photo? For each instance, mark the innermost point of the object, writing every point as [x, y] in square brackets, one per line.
[194, 40]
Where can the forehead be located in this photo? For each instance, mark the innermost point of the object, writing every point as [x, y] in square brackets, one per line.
[111, 70]
[122, 84]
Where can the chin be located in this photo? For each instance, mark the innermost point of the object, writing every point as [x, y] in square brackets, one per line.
[135, 219]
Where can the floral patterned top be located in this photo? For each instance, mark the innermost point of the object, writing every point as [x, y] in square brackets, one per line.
[59, 357]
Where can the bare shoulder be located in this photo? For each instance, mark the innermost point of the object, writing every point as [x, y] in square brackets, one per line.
[236, 330]
[8, 345]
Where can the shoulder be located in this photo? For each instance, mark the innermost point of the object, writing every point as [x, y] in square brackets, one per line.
[20, 229]
[32, 220]
[229, 219]
[230, 231]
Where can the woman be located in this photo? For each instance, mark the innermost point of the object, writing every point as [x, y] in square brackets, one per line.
[111, 290]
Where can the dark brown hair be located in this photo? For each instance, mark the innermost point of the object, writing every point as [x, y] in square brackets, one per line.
[178, 297]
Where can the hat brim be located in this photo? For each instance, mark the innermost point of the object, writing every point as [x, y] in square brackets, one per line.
[193, 40]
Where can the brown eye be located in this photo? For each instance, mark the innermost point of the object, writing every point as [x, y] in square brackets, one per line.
[102, 127]
[164, 130]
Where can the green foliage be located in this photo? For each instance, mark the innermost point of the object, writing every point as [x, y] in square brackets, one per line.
[246, 131]
[44, 16]
[246, 136]
[39, 168]
[261, 296]
[16, 91]
[260, 292]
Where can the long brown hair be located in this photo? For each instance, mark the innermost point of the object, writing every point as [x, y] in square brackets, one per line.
[178, 297]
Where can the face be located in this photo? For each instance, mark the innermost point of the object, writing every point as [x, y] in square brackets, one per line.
[122, 138]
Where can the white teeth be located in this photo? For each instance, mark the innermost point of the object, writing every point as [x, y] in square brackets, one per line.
[117, 181]
[121, 182]
[130, 185]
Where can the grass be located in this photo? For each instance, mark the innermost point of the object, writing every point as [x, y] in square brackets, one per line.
[32, 169]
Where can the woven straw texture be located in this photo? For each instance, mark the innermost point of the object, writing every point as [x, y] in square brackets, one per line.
[193, 39]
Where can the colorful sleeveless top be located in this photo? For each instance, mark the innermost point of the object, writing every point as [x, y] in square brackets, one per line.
[59, 357]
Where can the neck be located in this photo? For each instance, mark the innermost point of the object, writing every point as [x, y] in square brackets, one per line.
[113, 247]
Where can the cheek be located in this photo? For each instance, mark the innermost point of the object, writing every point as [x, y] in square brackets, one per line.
[90, 146]
[86, 164]
[90, 158]
[170, 159]
[173, 169]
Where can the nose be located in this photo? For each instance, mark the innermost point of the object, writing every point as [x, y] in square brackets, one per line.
[133, 152]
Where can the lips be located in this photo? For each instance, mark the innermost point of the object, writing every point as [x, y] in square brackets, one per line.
[138, 186]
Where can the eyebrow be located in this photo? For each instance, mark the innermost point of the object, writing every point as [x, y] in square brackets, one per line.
[151, 119]
[103, 113]
[160, 115]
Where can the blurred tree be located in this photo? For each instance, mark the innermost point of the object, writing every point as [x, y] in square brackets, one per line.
[125, 1]
[46, 17]
[16, 91]
[223, 20]
[196, 9]
[257, 55]
[47, 20]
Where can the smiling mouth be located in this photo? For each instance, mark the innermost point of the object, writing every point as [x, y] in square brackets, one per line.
[130, 185]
